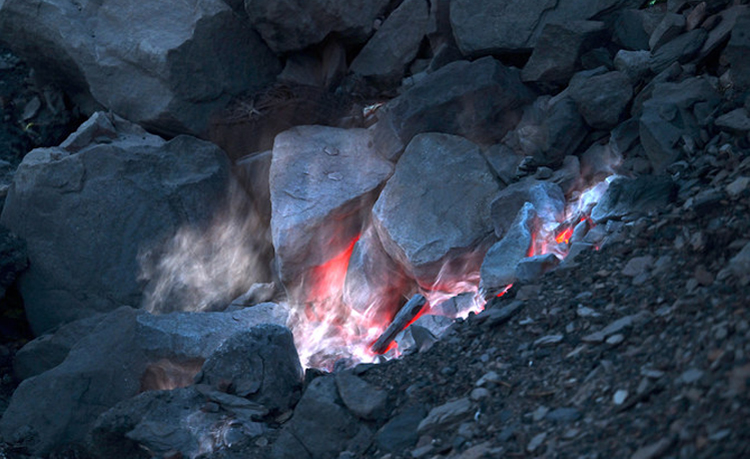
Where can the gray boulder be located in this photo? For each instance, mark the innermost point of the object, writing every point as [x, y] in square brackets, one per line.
[323, 181]
[396, 43]
[559, 48]
[183, 61]
[499, 265]
[547, 198]
[86, 215]
[486, 26]
[128, 351]
[290, 26]
[477, 100]
[602, 99]
[260, 364]
[436, 206]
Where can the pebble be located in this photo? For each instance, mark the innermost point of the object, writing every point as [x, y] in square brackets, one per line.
[653, 450]
[690, 376]
[445, 414]
[620, 396]
[536, 442]
[489, 377]
[616, 339]
[548, 340]
[539, 413]
[637, 266]
[585, 311]
[739, 185]
[564, 415]
[479, 393]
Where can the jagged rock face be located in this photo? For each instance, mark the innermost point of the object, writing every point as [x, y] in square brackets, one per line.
[292, 25]
[436, 205]
[164, 65]
[87, 208]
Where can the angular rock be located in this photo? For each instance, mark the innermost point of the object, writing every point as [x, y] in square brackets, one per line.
[400, 432]
[322, 181]
[396, 43]
[477, 100]
[421, 216]
[320, 423]
[532, 268]
[559, 49]
[736, 121]
[445, 414]
[633, 28]
[546, 197]
[488, 26]
[169, 75]
[675, 110]
[504, 161]
[602, 99]
[635, 64]
[13, 259]
[681, 49]
[719, 34]
[121, 197]
[624, 137]
[598, 163]
[549, 130]
[361, 397]
[634, 196]
[737, 50]
[668, 29]
[739, 265]
[290, 26]
[499, 265]
[128, 351]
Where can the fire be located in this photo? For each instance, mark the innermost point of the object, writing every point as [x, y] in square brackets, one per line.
[564, 236]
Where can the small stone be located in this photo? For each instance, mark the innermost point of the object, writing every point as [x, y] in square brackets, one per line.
[445, 414]
[479, 393]
[536, 442]
[616, 339]
[584, 311]
[489, 377]
[703, 277]
[564, 415]
[638, 265]
[548, 340]
[653, 450]
[739, 185]
[539, 413]
[720, 435]
[690, 376]
[620, 396]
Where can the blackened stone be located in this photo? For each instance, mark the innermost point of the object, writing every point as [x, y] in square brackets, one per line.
[400, 433]
[477, 100]
[260, 364]
[682, 49]
[559, 49]
[361, 397]
[634, 196]
[602, 99]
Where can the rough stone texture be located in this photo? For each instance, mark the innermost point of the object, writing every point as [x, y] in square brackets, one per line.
[737, 51]
[400, 432]
[436, 205]
[445, 414]
[322, 181]
[559, 49]
[633, 28]
[477, 100]
[504, 161]
[13, 259]
[499, 265]
[260, 364]
[550, 130]
[719, 34]
[547, 198]
[668, 29]
[632, 196]
[736, 121]
[289, 26]
[532, 268]
[396, 43]
[681, 49]
[635, 64]
[675, 110]
[485, 26]
[128, 351]
[602, 99]
[253, 173]
[361, 397]
[182, 61]
[117, 196]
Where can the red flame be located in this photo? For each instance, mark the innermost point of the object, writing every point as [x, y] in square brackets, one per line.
[564, 236]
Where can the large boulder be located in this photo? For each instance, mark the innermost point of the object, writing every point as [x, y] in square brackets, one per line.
[602, 99]
[478, 100]
[87, 208]
[289, 26]
[323, 181]
[484, 26]
[128, 351]
[177, 63]
[436, 207]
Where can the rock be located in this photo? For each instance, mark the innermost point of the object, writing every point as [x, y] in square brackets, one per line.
[681, 49]
[598, 163]
[532, 268]
[559, 49]
[253, 174]
[615, 327]
[739, 264]
[128, 351]
[444, 415]
[654, 450]
[499, 265]
[396, 43]
[737, 50]
[294, 26]
[548, 340]
[257, 294]
[504, 161]
[670, 27]
[634, 196]
[564, 415]
[536, 442]
[568, 176]
[633, 27]
[477, 100]
[260, 364]
[320, 422]
[549, 130]
[602, 99]
[546, 197]
[13, 259]
[49, 350]
[422, 195]
[738, 186]
[513, 26]
[690, 376]
[400, 432]
[322, 180]
[736, 121]
[494, 316]
[624, 137]
[637, 266]
[619, 397]
[361, 397]
[635, 64]
[168, 76]
[122, 197]
[719, 34]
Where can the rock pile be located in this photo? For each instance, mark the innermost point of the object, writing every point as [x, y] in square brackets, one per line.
[483, 121]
